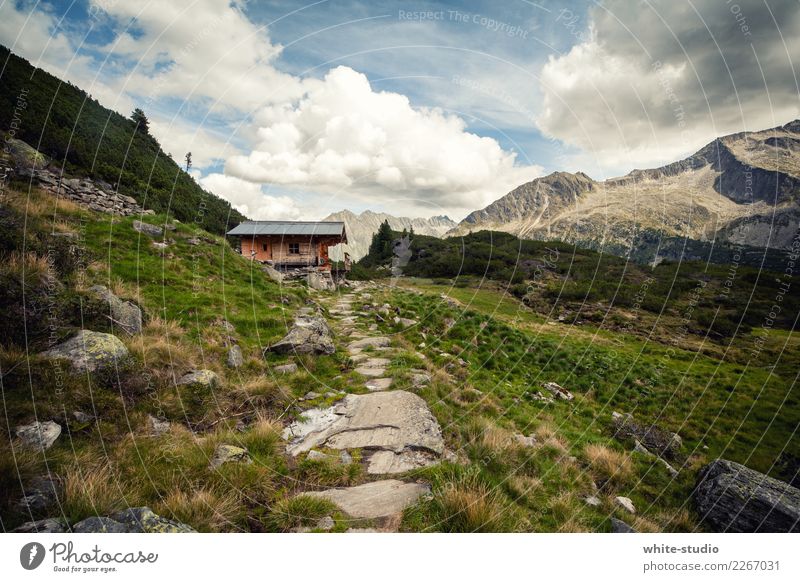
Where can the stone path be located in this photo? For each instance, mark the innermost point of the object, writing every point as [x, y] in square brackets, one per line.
[394, 429]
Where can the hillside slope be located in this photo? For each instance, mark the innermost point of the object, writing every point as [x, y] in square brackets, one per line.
[740, 189]
[85, 139]
[361, 227]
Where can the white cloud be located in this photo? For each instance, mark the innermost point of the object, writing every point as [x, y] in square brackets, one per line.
[249, 199]
[192, 49]
[177, 137]
[654, 84]
[343, 135]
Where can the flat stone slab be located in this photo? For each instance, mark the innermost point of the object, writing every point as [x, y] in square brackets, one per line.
[374, 500]
[371, 372]
[396, 422]
[378, 384]
[370, 342]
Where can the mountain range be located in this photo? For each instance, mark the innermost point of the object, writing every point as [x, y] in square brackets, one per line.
[361, 227]
[740, 189]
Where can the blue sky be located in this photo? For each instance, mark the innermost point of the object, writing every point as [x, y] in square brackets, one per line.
[418, 108]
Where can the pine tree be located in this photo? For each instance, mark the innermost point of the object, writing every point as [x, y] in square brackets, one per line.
[141, 121]
[188, 161]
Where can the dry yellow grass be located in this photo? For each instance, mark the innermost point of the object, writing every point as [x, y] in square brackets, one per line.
[608, 466]
[207, 510]
[263, 391]
[474, 507]
[91, 490]
[29, 265]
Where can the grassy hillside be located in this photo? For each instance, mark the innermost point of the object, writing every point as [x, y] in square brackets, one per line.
[567, 283]
[86, 139]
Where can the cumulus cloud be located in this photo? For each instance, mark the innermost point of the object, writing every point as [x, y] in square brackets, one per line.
[197, 49]
[655, 83]
[249, 198]
[344, 135]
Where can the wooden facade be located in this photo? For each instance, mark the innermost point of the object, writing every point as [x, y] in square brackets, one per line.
[290, 244]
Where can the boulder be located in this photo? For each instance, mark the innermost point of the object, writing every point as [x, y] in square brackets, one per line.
[375, 500]
[90, 351]
[143, 520]
[38, 436]
[619, 526]
[99, 525]
[50, 525]
[235, 358]
[124, 314]
[273, 273]
[396, 427]
[320, 282]
[309, 335]
[729, 497]
[655, 439]
[229, 454]
[148, 229]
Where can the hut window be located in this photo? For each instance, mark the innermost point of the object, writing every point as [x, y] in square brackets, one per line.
[294, 248]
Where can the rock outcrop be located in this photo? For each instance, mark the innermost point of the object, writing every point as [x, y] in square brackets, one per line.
[729, 497]
[655, 439]
[90, 351]
[308, 335]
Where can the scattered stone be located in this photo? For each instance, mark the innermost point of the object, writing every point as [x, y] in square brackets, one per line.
[397, 422]
[419, 379]
[157, 426]
[206, 379]
[235, 358]
[619, 526]
[50, 525]
[82, 417]
[38, 436]
[309, 335]
[558, 391]
[405, 322]
[730, 497]
[148, 229]
[143, 520]
[311, 395]
[345, 458]
[229, 454]
[285, 369]
[124, 314]
[375, 500]
[592, 501]
[39, 494]
[378, 384]
[326, 523]
[625, 503]
[90, 351]
[159, 245]
[525, 441]
[99, 525]
[194, 241]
